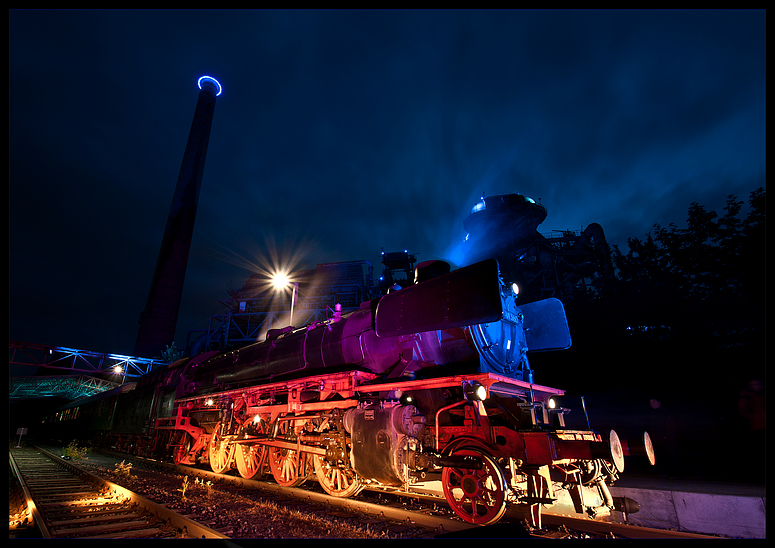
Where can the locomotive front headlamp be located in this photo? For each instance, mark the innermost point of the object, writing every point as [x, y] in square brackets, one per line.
[515, 288]
[475, 392]
[557, 405]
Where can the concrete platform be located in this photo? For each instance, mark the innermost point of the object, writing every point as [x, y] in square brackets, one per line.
[716, 508]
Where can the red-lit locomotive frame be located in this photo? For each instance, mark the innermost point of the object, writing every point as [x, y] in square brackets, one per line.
[427, 383]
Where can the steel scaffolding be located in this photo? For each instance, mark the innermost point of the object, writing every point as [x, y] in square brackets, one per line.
[69, 387]
[83, 361]
[257, 307]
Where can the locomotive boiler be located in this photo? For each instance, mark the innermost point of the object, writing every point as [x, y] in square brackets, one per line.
[404, 334]
[427, 383]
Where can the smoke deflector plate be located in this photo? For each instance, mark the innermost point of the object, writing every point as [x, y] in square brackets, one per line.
[467, 296]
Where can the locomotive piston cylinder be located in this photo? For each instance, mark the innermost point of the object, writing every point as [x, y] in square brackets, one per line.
[384, 441]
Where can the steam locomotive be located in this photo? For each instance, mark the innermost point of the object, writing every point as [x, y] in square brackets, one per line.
[427, 383]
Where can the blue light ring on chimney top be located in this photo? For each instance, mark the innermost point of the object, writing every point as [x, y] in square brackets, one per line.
[213, 80]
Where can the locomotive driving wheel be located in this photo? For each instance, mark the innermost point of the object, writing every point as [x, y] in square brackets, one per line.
[477, 496]
[221, 449]
[337, 482]
[288, 466]
[250, 458]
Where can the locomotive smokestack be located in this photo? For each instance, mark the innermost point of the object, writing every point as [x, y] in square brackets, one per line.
[159, 319]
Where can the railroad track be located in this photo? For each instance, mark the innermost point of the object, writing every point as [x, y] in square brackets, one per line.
[64, 501]
[428, 512]
[421, 516]
[381, 508]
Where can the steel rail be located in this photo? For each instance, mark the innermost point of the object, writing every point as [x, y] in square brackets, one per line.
[33, 513]
[346, 504]
[192, 528]
[584, 525]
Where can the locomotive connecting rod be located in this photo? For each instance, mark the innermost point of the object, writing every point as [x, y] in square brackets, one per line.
[290, 445]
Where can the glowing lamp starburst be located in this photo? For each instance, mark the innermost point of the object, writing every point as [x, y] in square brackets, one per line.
[280, 280]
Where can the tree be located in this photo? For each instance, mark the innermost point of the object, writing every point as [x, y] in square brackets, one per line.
[704, 282]
[170, 354]
[682, 317]
[684, 301]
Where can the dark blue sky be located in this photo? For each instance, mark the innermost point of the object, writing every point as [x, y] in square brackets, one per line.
[339, 133]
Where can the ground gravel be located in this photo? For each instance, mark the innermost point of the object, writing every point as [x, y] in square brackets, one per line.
[238, 513]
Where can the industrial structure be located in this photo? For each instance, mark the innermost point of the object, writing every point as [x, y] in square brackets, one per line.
[502, 227]
[160, 316]
[259, 306]
[505, 227]
[75, 373]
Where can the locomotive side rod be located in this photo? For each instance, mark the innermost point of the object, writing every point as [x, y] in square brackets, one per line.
[290, 445]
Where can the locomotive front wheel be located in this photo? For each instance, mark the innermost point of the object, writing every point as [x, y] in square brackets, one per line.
[288, 467]
[160, 442]
[477, 496]
[181, 447]
[221, 450]
[337, 482]
[250, 458]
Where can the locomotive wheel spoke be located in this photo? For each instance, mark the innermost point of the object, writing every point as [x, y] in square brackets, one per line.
[221, 450]
[284, 465]
[287, 470]
[250, 459]
[337, 482]
[477, 496]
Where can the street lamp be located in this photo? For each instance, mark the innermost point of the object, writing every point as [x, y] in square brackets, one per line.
[119, 370]
[280, 281]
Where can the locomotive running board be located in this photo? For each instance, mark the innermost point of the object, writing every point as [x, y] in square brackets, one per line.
[467, 296]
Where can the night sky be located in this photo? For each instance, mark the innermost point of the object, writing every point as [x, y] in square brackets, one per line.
[340, 133]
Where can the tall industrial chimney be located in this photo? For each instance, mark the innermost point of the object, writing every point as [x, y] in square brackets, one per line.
[160, 317]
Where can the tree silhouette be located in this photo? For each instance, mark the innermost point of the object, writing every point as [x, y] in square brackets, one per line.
[170, 354]
[706, 280]
[685, 307]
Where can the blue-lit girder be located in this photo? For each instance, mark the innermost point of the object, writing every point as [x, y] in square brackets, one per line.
[83, 361]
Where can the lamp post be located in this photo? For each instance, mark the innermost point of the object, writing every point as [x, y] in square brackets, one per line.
[119, 370]
[293, 298]
[281, 281]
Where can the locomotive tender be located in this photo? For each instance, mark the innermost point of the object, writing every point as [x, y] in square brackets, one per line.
[430, 382]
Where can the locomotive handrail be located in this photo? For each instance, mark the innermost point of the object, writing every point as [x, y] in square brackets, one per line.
[486, 379]
[436, 423]
[354, 382]
[349, 377]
